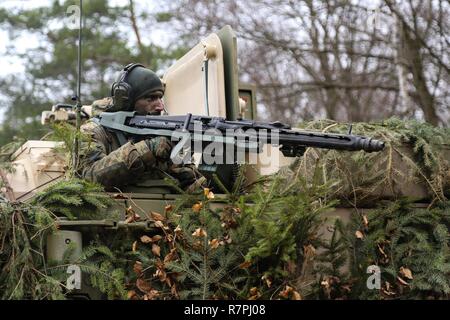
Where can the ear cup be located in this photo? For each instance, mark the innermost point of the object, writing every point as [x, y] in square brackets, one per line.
[120, 90]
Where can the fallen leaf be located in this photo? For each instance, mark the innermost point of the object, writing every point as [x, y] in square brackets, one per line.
[137, 268]
[407, 273]
[245, 265]
[134, 246]
[131, 294]
[366, 222]
[359, 234]
[206, 191]
[382, 251]
[130, 211]
[156, 238]
[170, 256]
[199, 233]
[157, 216]
[169, 238]
[214, 243]
[210, 195]
[156, 250]
[285, 292]
[197, 207]
[296, 296]
[267, 280]
[178, 229]
[159, 224]
[143, 285]
[253, 291]
[146, 239]
[173, 291]
[168, 208]
[325, 284]
[153, 294]
[309, 251]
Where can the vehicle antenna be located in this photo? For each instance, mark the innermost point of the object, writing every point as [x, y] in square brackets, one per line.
[77, 98]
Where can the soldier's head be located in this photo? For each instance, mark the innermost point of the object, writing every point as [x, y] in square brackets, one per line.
[139, 89]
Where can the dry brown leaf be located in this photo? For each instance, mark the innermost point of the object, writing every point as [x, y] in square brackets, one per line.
[146, 239]
[359, 234]
[157, 216]
[245, 264]
[174, 291]
[199, 233]
[214, 243]
[130, 211]
[254, 291]
[285, 292]
[210, 195]
[382, 251]
[156, 238]
[296, 296]
[143, 285]
[325, 284]
[197, 207]
[156, 250]
[170, 256]
[267, 280]
[137, 268]
[366, 221]
[131, 294]
[168, 208]
[153, 294]
[159, 224]
[309, 251]
[206, 191]
[134, 246]
[407, 273]
[129, 219]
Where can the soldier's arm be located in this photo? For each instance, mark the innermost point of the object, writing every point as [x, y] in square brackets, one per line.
[117, 168]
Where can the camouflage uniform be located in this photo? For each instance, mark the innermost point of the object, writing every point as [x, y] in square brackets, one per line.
[103, 160]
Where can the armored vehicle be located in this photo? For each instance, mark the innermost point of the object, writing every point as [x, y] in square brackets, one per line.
[203, 82]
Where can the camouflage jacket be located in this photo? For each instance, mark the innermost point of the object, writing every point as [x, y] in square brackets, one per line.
[103, 160]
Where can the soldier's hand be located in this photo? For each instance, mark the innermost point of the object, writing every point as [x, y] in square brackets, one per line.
[187, 175]
[161, 147]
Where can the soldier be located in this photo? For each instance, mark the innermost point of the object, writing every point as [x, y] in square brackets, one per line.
[104, 160]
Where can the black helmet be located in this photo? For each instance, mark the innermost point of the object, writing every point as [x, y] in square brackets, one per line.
[134, 82]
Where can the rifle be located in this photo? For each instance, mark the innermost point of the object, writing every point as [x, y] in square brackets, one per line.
[242, 134]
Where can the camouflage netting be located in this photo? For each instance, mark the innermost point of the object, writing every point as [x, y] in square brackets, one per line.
[271, 249]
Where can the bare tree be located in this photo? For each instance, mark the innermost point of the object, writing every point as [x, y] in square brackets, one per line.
[335, 59]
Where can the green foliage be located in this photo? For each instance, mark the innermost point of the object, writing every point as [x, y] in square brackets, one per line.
[414, 155]
[410, 245]
[413, 238]
[206, 259]
[74, 199]
[23, 273]
[109, 43]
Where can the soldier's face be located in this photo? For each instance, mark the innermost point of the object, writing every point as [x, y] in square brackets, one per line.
[151, 104]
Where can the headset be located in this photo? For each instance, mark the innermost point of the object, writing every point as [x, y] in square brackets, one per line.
[120, 90]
